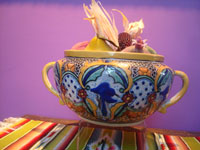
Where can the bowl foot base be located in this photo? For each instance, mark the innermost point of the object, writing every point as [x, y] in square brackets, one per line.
[139, 123]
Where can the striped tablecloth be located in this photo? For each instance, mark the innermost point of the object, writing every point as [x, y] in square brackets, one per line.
[22, 133]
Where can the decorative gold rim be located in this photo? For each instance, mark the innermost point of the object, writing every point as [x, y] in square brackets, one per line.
[118, 55]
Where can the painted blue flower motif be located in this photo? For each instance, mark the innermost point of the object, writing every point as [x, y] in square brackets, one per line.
[105, 93]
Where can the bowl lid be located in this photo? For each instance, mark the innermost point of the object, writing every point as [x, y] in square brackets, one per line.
[117, 55]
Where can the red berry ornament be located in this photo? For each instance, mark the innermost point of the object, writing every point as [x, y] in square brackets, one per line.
[124, 40]
[139, 45]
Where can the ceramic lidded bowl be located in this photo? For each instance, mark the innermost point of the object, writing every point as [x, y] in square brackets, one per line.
[112, 88]
[116, 79]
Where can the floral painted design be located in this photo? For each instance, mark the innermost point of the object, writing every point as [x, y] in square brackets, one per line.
[136, 115]
[63, 89]
[70, 67]
[151, 97]
[82, 93]
[130, 114]
[104, 91]
[127, 98]
[144, 72]
[70, 105]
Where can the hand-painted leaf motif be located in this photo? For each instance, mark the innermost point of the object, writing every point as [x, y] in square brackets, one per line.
[118, 75]
[165, 76]
[92, 74]
[164, 82]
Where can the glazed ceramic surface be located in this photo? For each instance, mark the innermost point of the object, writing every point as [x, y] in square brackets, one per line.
[111, 89]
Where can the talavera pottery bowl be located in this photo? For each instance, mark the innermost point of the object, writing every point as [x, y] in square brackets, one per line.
[113, 88]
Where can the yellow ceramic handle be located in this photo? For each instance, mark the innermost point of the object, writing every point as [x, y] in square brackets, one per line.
[46, 81]
[179, 95]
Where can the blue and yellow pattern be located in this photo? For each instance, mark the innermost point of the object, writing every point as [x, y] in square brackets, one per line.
[113, 90]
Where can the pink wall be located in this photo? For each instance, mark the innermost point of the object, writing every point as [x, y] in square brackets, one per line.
[33, 34]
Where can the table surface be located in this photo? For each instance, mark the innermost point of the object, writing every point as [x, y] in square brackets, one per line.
[38, 132]
[133, 128]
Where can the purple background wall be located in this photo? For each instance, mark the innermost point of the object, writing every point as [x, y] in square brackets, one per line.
[34, 33]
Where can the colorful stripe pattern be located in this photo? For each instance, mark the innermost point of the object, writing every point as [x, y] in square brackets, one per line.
[13, 126]
[38, 135]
